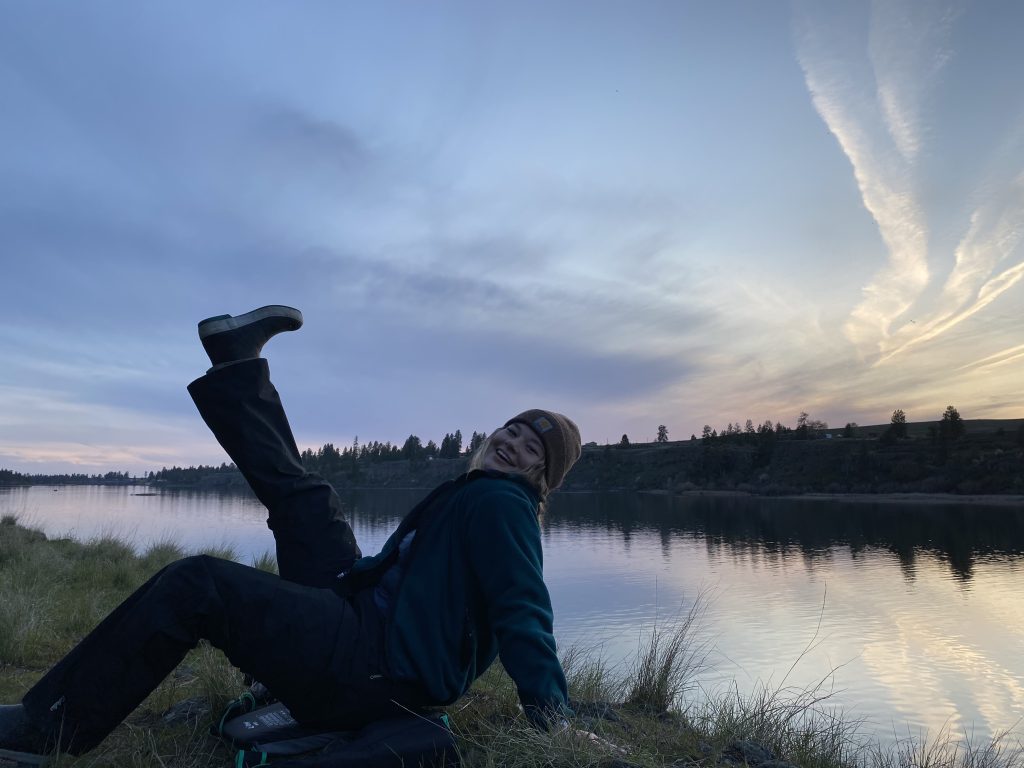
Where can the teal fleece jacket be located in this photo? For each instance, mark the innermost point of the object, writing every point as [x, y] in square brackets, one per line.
[472, 588]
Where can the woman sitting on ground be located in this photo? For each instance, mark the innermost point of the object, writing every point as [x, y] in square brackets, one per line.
[339, 638]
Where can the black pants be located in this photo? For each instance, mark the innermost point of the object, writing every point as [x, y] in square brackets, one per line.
[319, 652]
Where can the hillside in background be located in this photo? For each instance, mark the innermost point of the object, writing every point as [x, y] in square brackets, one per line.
[986, 458]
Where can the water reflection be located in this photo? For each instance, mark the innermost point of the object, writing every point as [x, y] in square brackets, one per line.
[912, 614]
[958, 534]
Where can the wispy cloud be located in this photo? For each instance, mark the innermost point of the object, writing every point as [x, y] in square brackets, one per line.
[653, 233]
[1002, 357]
[881, 125]
[49, 427]
[908, 45]
[979, 275]
[865, 134]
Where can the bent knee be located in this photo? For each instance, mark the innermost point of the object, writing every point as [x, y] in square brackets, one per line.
[195, 569]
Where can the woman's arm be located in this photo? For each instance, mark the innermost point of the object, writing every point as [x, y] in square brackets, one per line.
[503, 539]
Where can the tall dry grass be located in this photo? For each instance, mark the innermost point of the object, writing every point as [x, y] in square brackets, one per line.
[668, 665]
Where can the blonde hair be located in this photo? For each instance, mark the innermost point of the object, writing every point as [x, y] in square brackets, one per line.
[536, 475]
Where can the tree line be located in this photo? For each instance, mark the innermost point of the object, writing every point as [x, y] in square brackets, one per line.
[331, 461]
[328, 460]
[950, 427]
[10, 477]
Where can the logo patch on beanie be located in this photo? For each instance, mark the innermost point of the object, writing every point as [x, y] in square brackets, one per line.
[543, 425]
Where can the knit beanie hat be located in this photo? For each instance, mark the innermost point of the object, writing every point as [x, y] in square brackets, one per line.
[561, 438]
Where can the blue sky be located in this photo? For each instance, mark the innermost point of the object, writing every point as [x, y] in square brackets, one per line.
[634, 213]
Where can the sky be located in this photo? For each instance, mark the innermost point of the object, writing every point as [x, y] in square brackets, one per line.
[635, 214]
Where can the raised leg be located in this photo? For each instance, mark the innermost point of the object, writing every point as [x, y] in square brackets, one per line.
[243, 410]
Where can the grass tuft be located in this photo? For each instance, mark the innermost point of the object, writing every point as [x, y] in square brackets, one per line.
[589, 676]
[162, 553]
[667, 666]
[265, 562]
[223, 550]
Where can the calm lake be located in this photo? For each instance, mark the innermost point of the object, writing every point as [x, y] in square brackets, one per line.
[912, 614]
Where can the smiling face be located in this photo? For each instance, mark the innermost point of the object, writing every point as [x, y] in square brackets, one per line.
[515, 448]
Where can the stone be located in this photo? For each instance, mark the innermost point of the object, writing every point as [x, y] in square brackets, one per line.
[745, 751]
[187, 710]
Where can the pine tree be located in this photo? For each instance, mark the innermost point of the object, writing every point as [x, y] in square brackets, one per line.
[898, 423]
[951, 427]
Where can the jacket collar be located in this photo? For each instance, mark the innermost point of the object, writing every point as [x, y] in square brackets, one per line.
[519, 480]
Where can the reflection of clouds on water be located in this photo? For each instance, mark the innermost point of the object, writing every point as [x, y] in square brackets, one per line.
[921, 611]
[957, 652]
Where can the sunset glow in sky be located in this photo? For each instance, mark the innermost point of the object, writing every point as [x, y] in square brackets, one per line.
[635, 213]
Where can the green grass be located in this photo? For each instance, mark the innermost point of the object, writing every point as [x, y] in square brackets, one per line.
[648, 714]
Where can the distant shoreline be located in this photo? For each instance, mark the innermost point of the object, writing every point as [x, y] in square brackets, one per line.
[907, 498]
[981, 466]
[910, 498]
[994, 499]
